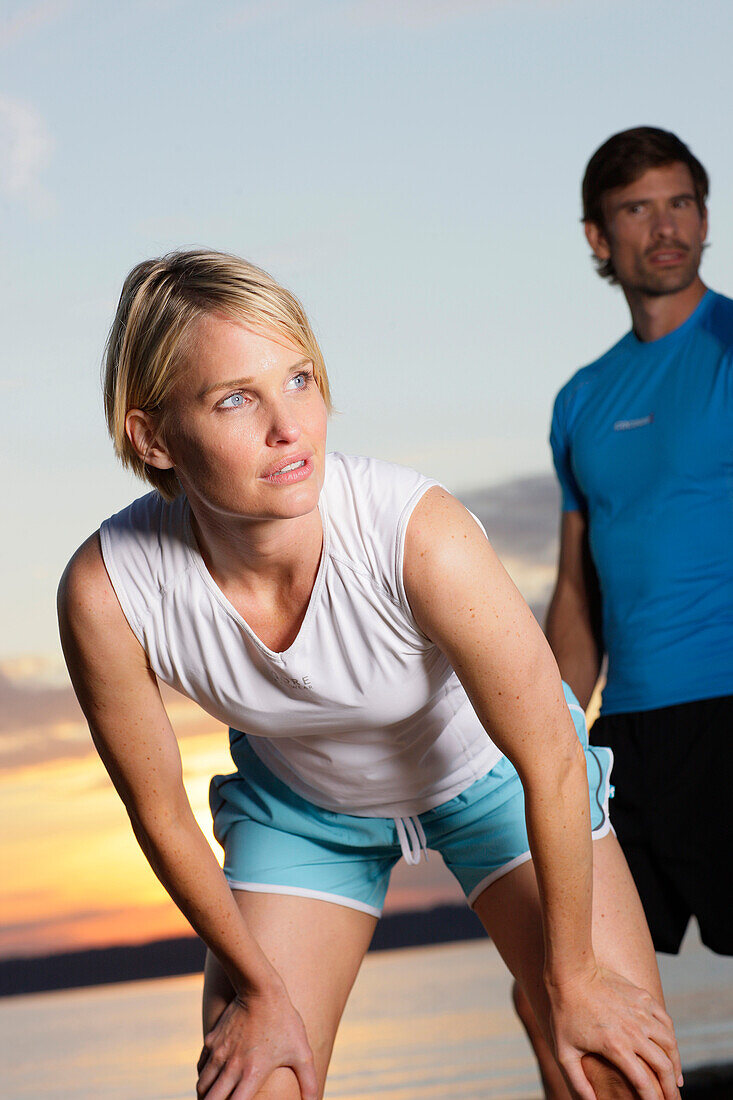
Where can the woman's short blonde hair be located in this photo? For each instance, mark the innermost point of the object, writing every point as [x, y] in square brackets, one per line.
[160, 302]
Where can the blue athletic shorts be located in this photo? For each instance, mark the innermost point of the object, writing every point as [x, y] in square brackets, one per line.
[277, 842]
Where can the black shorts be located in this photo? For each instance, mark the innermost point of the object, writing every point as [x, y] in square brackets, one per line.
[672, 811]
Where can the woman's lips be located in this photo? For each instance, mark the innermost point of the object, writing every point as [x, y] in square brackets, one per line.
[295, 469]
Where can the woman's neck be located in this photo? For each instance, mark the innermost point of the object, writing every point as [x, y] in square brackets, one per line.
[259, 555]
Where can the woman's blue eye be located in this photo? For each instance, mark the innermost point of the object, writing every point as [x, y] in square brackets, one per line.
[234, 401]
[301, 379]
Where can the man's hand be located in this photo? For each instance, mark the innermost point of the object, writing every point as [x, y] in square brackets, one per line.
[251, 1039]
[603, 1014]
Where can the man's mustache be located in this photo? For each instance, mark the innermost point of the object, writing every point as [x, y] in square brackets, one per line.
[668, 246]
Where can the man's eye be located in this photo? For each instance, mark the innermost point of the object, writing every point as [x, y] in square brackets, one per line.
[234, 401]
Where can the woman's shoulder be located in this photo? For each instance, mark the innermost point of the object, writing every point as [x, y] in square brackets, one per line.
[369, 502]
[146, 549]
[147, 514]
[87, 606]
[150, 532]
[371, 482]
[84, 574]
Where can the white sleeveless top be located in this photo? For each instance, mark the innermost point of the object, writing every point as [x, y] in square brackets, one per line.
[362, 714]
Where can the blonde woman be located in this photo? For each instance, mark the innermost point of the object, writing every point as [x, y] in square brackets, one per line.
[385, 685]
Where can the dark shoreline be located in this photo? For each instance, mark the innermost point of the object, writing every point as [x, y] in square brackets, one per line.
[185, 954]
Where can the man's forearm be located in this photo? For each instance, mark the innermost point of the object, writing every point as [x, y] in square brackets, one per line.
[576, 647]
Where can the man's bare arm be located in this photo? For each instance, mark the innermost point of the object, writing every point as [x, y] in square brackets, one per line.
[573, 625]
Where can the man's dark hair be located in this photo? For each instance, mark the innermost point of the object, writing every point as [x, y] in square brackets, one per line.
[624, 158]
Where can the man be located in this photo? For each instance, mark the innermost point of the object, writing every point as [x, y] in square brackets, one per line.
[642, 441]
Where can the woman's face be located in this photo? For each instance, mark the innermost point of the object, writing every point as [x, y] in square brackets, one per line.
[245, 427]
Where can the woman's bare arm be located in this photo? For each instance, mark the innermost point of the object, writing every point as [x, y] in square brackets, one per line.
[128, 722]
[463, 599]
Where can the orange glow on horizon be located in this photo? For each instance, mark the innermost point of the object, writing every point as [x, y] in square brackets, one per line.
[74, 876]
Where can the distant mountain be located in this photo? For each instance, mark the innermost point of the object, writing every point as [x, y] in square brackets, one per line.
[521, 516]
[185, 954]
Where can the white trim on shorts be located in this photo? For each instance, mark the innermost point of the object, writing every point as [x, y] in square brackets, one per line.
[497, 874]
[473, 897]
[304, 892]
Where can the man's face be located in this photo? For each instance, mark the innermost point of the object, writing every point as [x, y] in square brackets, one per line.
[653, 232]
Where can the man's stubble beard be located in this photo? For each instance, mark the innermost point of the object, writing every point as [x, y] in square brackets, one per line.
[657, 284]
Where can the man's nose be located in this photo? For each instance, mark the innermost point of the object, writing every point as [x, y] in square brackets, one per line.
[665, 222]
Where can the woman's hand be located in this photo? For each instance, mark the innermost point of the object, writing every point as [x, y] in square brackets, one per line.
[251, 1039]
[603, 1014]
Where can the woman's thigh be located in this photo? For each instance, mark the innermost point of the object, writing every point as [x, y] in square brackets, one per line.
[510, 911]
[317, 948]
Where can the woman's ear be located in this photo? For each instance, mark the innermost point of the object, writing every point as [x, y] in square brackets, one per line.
[144, 434]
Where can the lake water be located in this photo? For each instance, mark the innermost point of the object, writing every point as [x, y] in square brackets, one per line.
[432, 1022]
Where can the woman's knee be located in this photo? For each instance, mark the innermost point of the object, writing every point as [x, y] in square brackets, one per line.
[607, 1081]
[281, 1085]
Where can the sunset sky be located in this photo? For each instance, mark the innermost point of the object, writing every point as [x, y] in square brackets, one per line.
[411, 169]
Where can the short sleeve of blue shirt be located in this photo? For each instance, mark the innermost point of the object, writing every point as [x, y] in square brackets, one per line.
[572, 497]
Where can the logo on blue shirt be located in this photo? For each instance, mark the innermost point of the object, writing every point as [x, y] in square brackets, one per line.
[628, 425]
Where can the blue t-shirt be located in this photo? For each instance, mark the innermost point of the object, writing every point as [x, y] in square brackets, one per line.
[642, 441]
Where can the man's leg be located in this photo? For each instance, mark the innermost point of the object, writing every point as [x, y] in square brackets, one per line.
[553, 1081]
[510, 911]
[654, 792]
[317, 948]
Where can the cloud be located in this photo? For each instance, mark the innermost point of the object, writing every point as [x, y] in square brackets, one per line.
[261, 11]
[521, 518]
[90, 927]
[38, 722]
[415, 13]
[29, 703]
[31, 18]
[25, 151]
[41, 721]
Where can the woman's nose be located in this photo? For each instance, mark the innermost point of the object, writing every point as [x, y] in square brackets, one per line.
[284, 426]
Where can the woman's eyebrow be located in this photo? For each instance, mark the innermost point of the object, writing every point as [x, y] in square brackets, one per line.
[242, 381]
[225, 385]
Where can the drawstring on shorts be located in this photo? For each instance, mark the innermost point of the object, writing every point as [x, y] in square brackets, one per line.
[412, 840]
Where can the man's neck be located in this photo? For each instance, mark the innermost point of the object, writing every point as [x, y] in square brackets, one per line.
[654, 316]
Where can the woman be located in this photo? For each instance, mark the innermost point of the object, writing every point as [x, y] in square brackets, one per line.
[338, 614]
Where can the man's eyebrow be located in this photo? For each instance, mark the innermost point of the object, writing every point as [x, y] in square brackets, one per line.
[649, 198]
[235, 383]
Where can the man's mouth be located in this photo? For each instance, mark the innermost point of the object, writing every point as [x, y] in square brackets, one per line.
[662, 256]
